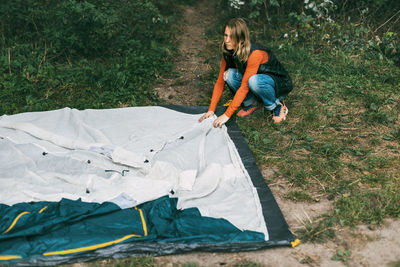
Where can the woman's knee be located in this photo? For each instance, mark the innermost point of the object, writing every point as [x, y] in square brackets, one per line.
[226, 75]
[258, 84]
[253, 81]
[232, 78]
[229, 75]
[254, 84]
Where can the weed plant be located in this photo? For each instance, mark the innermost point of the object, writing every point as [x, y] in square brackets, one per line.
[342, 256]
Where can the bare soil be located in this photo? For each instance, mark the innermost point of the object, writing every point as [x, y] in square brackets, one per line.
[369, 246]
[189, 66]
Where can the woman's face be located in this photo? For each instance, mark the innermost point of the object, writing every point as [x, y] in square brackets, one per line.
[229, 43]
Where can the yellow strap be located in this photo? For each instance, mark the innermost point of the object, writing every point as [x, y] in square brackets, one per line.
[75, 250]
[40, 211]
[15, 221]
[143, 221]
[69, 251]
[102, 245]
[228, 103]
[10, 257]
[295, 243]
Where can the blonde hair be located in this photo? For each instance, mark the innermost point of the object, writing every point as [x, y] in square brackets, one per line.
[240, 35]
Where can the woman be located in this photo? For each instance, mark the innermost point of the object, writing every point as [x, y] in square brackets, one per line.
[252, 72]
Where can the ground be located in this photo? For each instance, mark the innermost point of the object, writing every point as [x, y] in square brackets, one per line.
[184, 86]
[369, 246]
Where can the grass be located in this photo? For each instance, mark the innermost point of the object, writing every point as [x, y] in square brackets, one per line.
[340, 138]
[343, 256]
[296, 195]
[148, 261]
[247, 263]
[143, 261]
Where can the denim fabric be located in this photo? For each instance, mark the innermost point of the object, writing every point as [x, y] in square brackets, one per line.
[233, 79]
[260, 85]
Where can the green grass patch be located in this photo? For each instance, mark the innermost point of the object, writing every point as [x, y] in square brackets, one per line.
[299, 196]
[107, 54]
[247, 263]
[369, 206]
[343, 256]
[138, 261]
[319, 230]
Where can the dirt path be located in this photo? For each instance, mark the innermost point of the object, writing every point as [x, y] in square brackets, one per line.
[368, 246]
[189, 67]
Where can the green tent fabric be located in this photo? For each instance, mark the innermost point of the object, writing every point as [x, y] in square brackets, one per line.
[68, 228]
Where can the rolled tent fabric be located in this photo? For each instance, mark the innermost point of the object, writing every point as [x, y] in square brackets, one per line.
[128, 176]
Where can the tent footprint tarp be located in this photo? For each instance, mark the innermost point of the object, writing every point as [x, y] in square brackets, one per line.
[93, 184]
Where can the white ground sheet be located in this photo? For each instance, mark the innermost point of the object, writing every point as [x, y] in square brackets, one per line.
[127, 156]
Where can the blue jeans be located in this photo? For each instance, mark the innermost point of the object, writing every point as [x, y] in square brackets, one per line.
[260, 85]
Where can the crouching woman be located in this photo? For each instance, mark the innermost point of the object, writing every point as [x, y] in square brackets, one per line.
[252, 73]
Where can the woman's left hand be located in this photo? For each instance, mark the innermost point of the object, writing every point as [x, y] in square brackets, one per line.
[221, 120]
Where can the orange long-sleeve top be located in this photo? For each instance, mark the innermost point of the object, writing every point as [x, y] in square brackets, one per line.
[256, 58]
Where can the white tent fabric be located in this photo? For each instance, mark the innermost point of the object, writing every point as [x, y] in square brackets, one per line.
[127, 156]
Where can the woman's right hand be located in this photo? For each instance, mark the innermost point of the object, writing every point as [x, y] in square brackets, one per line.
[207, 115]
